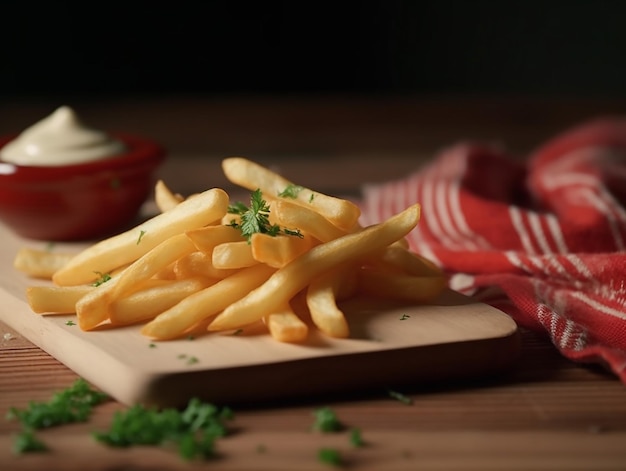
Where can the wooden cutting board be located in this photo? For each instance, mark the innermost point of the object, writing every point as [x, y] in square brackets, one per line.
[390, 345]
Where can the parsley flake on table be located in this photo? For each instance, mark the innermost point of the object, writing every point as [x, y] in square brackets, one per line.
[70, 405]
[400, 397]
[356, 439]
[329, 456]
[193, 430]
[255, 218]
[326, 420]
[27, 442]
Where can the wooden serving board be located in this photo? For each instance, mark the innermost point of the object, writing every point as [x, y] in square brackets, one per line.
[390, 345]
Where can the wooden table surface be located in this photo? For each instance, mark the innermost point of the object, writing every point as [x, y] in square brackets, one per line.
[545, 413]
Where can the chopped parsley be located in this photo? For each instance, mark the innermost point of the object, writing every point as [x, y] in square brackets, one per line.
[193, 430]
[27, 442]
[70, 322]
[292, 232]
[141, 234]
[356, 439]
[70, 405]
[400, 397]
[103, 278]
[329, 456]
[255, 218]
[291, 191]
[190, 360]
[326, 420]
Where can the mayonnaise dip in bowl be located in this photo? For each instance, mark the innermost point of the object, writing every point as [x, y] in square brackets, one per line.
[63, 181]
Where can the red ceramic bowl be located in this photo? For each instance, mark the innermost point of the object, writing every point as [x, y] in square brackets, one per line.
[80, 201]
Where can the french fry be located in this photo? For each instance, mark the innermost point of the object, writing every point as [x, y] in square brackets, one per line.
[56, 299]
[307, 220]
[40, 263]
[165, 198]
[233, 255]
[293, 277]
[198, 264]
[93, 309]
[402, 259]
[247, 174]
[207, 238]
[154, 299]
[285, 326]
[322, 295]
[421, 289]
[167, 273]
[277, 251]
[130, 245]
[190, 267]
[205, 303]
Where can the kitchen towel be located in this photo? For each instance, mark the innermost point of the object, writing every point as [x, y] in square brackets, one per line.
[542, 237]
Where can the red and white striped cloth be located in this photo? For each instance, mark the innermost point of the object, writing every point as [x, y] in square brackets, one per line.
[542, 239]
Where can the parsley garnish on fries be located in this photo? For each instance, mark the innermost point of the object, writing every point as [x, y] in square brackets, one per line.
[103, 278]
[291, 191]
[255, 218]
[141, 234]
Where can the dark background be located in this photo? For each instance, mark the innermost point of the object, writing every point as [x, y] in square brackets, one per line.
[111, 48]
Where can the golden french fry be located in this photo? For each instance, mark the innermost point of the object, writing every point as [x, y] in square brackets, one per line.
[199, 264]
[167, 273]
[207, 238]
[307, 220]
[205, 303]
[322, 295]
[154, 299]
[396, 256]
[404, 243]
[285, 326]
[277, 251]
[293, 277]
[93, 309]
[128, 246]
[165, 198]
[233, 255]
[56, 299]
[400, 287]
[40, 263]
[243, 172]
[188, 268]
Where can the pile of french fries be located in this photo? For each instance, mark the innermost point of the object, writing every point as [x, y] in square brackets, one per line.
[190, 266]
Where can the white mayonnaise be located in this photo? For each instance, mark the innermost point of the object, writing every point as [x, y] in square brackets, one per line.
[60, 139]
